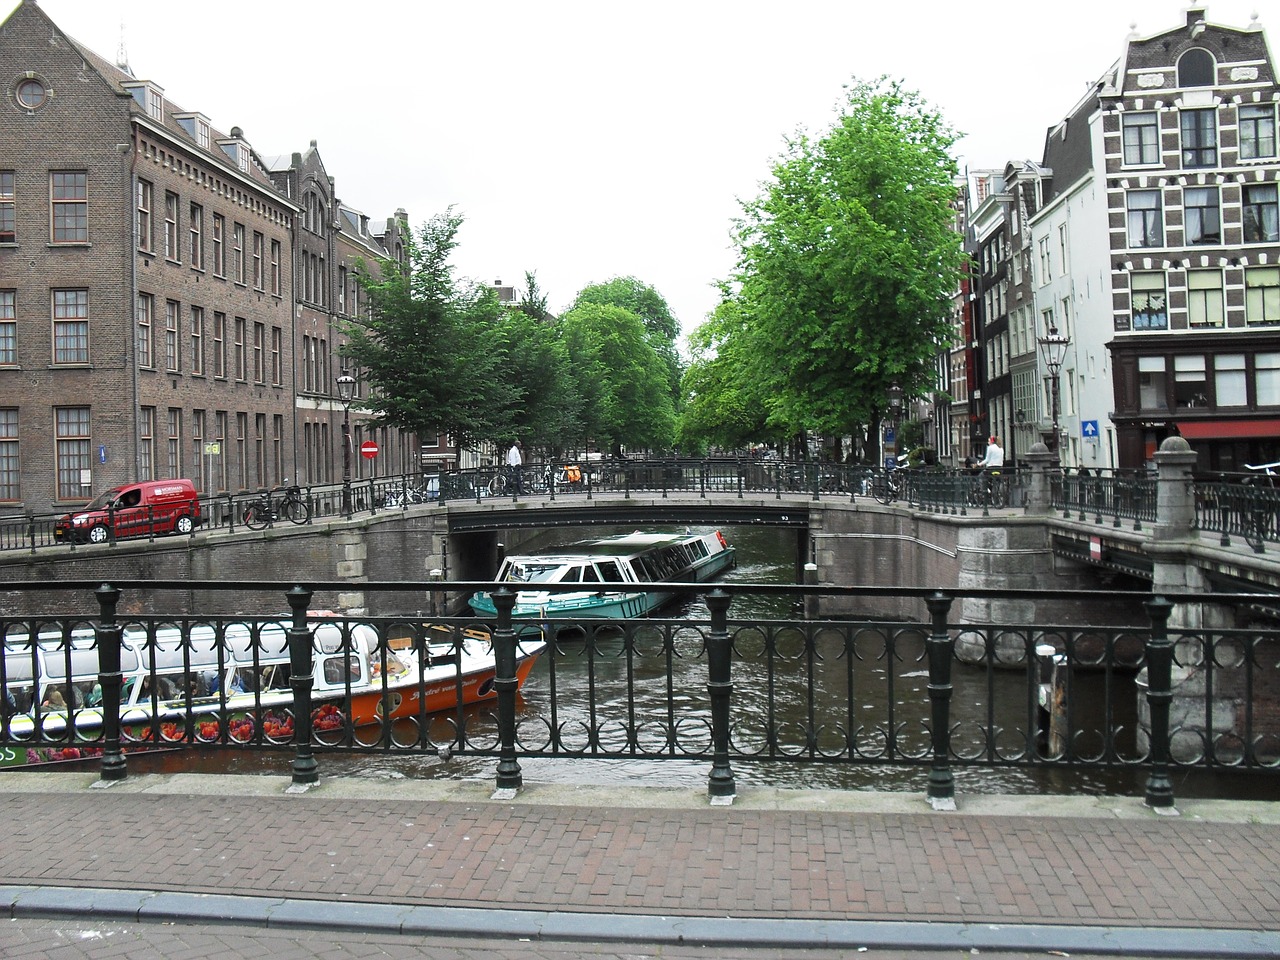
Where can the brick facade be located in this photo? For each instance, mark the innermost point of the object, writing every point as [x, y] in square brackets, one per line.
[170, 315]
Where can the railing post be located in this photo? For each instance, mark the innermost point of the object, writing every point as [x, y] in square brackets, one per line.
[301, 678]
[1175, 491]
[720, 786]
[109, 633]
[1159, 699]
[941, 645]
[505, 684]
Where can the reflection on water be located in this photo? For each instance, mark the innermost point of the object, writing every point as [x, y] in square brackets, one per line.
[855, 691]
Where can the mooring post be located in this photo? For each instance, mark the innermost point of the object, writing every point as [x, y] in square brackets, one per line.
[109, 634]
[720, 786]
[1159, 699]
[301, 670]
[505, 684]
[941, 646]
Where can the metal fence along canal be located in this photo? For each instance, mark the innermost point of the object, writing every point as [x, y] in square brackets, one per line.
[934, 696]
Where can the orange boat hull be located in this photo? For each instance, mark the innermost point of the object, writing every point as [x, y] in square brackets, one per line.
[406, 699]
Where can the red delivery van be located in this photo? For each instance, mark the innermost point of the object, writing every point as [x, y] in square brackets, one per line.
[133, 510]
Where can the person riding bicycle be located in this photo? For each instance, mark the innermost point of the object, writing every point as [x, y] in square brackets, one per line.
[991, 464]
[993, 460]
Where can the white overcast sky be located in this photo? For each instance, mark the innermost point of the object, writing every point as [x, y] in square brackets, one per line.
[588, 139]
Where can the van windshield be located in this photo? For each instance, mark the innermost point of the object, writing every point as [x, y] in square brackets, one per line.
[102, 500]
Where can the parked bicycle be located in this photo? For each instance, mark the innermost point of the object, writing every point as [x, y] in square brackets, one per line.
[889, 486]
[1258, 516]
[502, 482]
[988, 490]
[267, 509]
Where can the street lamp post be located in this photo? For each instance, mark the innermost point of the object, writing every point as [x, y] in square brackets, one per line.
[346, 390]
[1053, 350]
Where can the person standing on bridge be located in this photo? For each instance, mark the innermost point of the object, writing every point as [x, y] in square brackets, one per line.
[515, 463]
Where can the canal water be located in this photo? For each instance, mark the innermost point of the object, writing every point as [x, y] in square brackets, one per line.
[889, 700]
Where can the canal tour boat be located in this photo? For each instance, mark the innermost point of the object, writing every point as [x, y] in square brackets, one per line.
[358, 680]
[621, 576]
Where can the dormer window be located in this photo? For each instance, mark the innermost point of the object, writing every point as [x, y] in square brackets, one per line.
[1196, 68]
[238, 151]
[196, 126]
[149, 97]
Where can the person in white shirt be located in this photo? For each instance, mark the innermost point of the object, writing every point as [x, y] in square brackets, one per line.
[515, 461]
[993, 459]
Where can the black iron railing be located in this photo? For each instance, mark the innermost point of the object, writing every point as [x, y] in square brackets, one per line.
[938, 694]
[1244, 507]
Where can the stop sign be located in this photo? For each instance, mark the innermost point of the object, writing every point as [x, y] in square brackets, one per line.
[369, 449]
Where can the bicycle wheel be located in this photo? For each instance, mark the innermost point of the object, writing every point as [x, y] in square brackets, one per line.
[498, 485]
[999, 494]
[257, 516]
[886, 491]
[295, 509]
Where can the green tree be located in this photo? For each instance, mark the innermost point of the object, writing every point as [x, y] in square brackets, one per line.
[533, 301]
[721, 407]
[849, 259]
[648, 304]
[433, 354]
[621, 382]
[549, 414]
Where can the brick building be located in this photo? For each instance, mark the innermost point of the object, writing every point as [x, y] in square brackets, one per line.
[1149, 237]
[1188, 125]
[169, 303]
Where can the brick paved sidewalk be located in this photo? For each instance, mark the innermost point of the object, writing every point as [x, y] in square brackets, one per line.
[823, 856]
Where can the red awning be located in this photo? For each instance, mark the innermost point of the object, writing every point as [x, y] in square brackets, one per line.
[1228, 429]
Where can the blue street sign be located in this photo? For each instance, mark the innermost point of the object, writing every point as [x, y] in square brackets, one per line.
[1089, 429]
[889, 435]
[102, 453]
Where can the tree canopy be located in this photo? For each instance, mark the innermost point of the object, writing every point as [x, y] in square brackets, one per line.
[847, 263]
[722, 407]
[645, 302]
[621, 381]
[433, 354]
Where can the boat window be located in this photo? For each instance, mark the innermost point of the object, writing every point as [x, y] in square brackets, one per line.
[274, 677]
[699, 549]
[17, 668]
[610, 572]
[84, 663]
[572, 575]
[337, 669]
[531, 572]
[589, 574]
[172, 658]
[269, 640]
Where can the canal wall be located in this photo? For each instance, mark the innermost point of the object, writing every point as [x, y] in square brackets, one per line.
[860, 545]
[855, 543]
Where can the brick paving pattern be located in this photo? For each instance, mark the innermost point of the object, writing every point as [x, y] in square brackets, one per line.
[708, 862]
